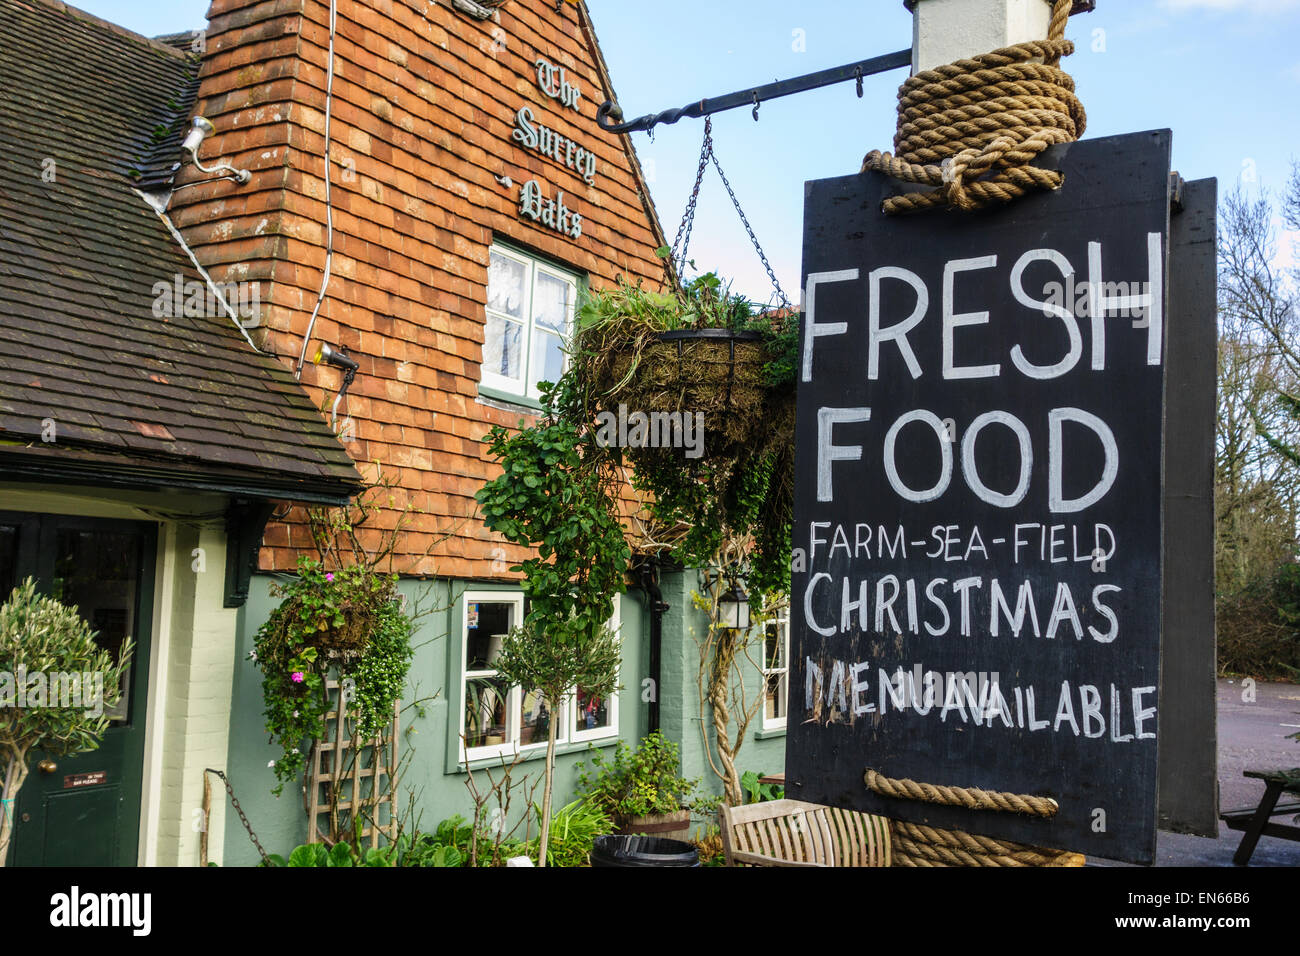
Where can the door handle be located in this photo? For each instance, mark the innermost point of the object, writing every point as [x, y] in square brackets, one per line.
[47, 766]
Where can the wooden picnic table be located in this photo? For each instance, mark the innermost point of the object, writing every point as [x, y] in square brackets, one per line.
[1254, 821]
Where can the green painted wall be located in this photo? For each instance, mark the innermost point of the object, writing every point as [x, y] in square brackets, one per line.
[280, 823]
[439, 784]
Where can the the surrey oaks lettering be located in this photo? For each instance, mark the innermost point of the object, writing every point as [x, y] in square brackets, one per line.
[551, 213]
[554, 82]
[534, 135]
[529, 132]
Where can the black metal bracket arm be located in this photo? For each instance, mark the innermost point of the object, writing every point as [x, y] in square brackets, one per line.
[245, 524]
[610, 114]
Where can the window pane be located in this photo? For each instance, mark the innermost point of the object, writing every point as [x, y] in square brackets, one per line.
[593, 712]
[486, 625]
[506, 284]
[535, 720]
[548, 358]
[8, 560]
[485, 711]
[776, 697]
[551, 303]
[774, 655]
[98, 572]
[503, 348]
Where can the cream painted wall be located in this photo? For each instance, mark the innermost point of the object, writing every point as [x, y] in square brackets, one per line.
[193, 641]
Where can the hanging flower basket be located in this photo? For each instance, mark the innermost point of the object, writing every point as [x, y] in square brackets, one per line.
[352, 635]
[714, 375]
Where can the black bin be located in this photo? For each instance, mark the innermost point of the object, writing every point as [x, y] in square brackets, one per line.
[642, 851]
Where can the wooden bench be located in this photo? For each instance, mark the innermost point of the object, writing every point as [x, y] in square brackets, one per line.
[1254, 821]
[795, 833]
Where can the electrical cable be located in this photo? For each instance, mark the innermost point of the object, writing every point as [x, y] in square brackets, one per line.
[329, 206]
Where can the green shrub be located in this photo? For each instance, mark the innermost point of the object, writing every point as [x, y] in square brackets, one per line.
[642, 782]
[756, 792]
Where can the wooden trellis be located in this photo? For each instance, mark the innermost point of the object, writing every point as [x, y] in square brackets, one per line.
[363, 781]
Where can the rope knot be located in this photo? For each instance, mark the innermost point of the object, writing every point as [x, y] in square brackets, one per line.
[971, 129]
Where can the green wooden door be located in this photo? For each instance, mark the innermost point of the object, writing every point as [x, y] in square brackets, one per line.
[85, 810]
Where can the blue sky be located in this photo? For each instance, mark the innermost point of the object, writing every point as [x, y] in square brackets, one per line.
[1224, 75]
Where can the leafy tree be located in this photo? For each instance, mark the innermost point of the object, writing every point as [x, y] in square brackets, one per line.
[555, 494]
[41, 638]
[1257, 481]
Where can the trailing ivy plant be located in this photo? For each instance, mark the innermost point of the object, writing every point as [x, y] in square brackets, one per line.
[740, 489]
[315, 631]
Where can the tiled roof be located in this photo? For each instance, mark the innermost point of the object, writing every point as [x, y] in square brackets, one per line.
[88, 111]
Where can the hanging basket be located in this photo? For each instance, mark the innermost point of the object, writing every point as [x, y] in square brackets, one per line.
[352, 635]
[716, 375]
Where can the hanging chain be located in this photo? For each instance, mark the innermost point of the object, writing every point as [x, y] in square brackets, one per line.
[771, 274]
[240, 810]
[688, 220]
[683, 240]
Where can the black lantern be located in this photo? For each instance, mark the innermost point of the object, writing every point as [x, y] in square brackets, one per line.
[733, 609]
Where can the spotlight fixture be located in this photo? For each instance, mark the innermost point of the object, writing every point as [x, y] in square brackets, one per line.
[200, 131]
[339, 359]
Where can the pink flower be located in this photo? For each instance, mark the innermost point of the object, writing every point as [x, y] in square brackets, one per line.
[330, 577]
[296, 677]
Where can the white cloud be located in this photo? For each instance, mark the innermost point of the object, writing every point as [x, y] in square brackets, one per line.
[1223, 6]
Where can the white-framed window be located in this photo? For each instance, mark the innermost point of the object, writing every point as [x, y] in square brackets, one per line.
[530, 307]
[776, 669]
[497, 719]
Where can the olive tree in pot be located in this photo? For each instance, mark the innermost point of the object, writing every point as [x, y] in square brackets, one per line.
[42, 640]
[554, 494]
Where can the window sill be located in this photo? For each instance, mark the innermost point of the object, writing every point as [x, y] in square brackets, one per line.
[506, 401]
[769, 733]
[487, 763]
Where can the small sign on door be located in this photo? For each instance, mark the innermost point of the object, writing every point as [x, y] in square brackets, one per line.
[74, 780]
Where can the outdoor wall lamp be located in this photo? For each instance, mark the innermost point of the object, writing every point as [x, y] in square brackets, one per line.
[198, 133]
[339, 359]
[733, 609]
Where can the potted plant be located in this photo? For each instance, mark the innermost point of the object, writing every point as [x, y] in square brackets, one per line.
[643, 790]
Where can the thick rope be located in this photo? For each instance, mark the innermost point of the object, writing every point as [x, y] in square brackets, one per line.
[921, 846]
[972, 128]
[971, 798]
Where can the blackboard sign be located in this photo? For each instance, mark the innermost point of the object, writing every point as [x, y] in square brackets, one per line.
[978, 537]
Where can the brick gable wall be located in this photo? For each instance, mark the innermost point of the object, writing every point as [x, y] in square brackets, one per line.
[423, 110]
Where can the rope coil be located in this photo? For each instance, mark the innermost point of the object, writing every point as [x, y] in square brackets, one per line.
[921, 846]
[972, 798]
[972, 128]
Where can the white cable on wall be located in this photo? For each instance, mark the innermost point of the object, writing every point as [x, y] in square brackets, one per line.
[158, 203]
[329, 206]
